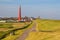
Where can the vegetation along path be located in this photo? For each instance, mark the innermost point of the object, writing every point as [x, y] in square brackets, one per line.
[25, 34]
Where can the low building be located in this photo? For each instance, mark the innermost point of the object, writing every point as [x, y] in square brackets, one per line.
[2, 21]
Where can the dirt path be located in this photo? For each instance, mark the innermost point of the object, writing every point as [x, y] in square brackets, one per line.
[25, 34]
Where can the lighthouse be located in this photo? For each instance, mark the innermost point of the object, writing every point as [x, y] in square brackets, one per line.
[19, 13]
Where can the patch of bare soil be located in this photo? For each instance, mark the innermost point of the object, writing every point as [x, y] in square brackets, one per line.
[4, 29]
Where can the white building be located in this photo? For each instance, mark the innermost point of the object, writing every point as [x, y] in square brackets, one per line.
[2, 21]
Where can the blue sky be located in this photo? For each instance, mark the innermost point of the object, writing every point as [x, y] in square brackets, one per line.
[44, 8]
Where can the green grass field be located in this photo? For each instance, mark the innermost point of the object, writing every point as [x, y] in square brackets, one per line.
[2, 33]
[48, 25]
[17, 33]
[6, 25]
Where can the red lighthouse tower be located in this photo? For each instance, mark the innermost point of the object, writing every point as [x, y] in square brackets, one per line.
[19, 13]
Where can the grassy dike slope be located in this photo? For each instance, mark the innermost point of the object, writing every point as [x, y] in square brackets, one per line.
[46, 30]
[48, 25]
